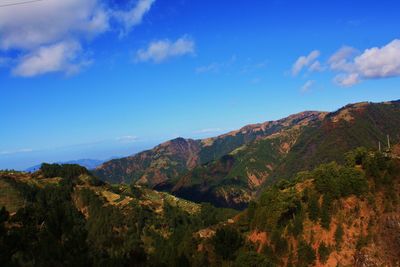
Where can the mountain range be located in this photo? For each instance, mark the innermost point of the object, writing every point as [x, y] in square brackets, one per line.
[229, 170]
[333, 215]
[312, 189]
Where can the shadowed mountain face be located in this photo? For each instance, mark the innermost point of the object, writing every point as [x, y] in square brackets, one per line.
[228, 170]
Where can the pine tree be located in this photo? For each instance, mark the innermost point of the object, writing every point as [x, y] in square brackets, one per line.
[326, 211]
[313, 207]
[339, 236]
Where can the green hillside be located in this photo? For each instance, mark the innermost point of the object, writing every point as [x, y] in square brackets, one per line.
[363, 124]
[70, 218]
[333, 215]
[281, 155]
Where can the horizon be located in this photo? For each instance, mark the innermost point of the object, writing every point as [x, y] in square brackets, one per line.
[117, 79]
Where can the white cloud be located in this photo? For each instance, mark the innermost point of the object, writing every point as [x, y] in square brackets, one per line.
[373, 63]
[347, 80]
[127, 138]
[216, 67]
[307, 86]
[208, 130]
[380, 62]
[340, 59]
[134, 16]
[213, 67]
[316, 66]
[9, 152]
[159, 51]
[47, 22]
[305, 61]
[49, 35]
[58, 57]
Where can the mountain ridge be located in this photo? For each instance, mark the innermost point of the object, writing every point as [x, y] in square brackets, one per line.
[227, 142]
[261, 153]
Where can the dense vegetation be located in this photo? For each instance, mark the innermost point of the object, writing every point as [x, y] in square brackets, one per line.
[328, 140]
[68, 219]
[69, 222]
[282, 210]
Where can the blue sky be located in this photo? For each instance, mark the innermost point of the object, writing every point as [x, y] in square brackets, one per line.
[112, 79]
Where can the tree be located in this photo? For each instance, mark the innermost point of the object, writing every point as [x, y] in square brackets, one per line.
[280, 243]
[313, 206]
[251, 209]
[326, 211]
[298, 224]
[305, 254]
[323, 252]
[356, 156]
[252, 259]
[226, 242]
[339, 236]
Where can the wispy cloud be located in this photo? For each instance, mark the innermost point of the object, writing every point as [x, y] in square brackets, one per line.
[161, 50]
[213, 67]
[208, 130]
[241, 66]
[216, 67]
[306, 61]
[127, 138]
[307, 86]
[10, 152]
[133, 17]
